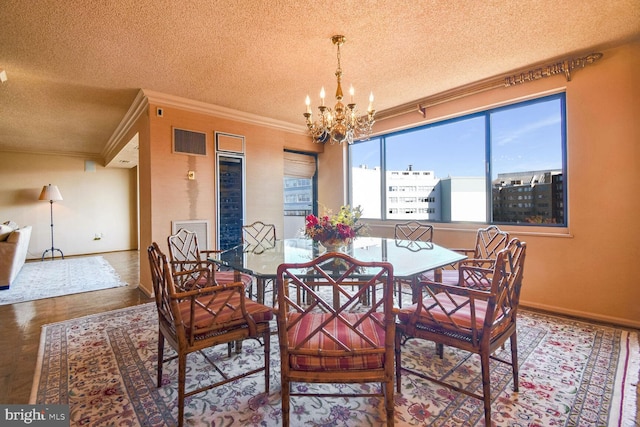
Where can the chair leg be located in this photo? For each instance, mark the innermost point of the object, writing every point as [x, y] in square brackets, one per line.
[274, 291]
[285, 402]
[440, 350]
[486, 386]
[182, 379]
[267, 349]
[160, 357]
[514, 360]
[398, 361]
[389, 403]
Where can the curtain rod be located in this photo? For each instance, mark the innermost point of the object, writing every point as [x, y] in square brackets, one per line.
[564, 66]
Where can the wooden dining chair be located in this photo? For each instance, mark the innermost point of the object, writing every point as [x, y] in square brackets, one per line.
[414, 231]
[185, 254]
[489, 241]
[340, 331]
[200, 314]
[477, 321]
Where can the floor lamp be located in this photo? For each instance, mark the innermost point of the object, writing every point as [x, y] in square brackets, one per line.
[52, 194]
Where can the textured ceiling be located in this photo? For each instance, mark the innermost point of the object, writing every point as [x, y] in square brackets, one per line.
[74, 67]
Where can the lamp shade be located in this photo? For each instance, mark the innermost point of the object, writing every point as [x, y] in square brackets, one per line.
[50, 193]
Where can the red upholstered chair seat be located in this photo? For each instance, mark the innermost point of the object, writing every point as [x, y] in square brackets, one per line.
[452, 277]
[458, 310]
[228, 277]
[220, 277]
[328, 354]
[205, 322]
[461, 317]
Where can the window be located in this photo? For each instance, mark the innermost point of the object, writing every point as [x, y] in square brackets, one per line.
[299, 191]
[473, 168]
[366, 177]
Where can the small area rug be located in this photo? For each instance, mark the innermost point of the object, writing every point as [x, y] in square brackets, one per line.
[572, 373]
[46, 279]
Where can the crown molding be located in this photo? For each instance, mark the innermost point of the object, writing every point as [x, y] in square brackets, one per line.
[80, 154]
[145, 97]
[137, 108]
[166, 100]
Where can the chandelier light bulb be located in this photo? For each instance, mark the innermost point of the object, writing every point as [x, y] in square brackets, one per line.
[342, 122]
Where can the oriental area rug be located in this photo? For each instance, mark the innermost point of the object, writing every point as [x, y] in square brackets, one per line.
[47, 279]
[572, 373]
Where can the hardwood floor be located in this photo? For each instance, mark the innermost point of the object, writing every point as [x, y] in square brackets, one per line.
[21, 323]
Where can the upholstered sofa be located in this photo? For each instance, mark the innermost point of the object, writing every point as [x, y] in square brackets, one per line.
[13, 254]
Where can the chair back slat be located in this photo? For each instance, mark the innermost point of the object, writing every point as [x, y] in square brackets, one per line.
[507, 282]
[162, 282]
[183, 246]
[414, 230]
[258, 237]
[490, 241]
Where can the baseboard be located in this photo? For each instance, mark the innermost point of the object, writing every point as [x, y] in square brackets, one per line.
[145, 291]
[582, 314]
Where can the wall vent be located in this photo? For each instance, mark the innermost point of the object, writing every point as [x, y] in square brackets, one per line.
[198, 226]
[189, 142]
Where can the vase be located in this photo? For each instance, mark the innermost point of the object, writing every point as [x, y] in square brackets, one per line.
[334, 245]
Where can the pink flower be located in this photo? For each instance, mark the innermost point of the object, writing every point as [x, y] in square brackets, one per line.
[312, 221]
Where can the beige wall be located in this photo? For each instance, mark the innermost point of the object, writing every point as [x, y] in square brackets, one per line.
[103, 201]
[589, 268]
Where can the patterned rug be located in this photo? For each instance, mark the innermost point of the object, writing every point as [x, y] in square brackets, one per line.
[572, 374]
[46, 279]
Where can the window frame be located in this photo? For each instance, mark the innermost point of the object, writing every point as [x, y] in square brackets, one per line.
[486, 113]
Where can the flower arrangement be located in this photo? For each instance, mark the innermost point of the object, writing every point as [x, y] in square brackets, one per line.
[337, 228]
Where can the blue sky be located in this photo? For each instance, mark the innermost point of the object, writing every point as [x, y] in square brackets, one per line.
[523, 139]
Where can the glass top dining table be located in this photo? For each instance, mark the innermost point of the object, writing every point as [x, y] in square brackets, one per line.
[409, 258]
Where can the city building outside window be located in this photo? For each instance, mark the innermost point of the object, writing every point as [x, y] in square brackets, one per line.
[476, 168]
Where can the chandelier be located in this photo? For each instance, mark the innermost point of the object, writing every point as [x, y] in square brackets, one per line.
[343, 123]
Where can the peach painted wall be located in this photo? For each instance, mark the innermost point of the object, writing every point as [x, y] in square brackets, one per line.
[590, 268]
[172, 196]
[586, 269]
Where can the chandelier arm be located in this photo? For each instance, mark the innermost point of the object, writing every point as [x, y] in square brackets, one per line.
[343, 123]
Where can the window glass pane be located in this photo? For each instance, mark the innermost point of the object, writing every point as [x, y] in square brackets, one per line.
[298, 203]
[527, 163]
[437, 173]
[365, 177]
